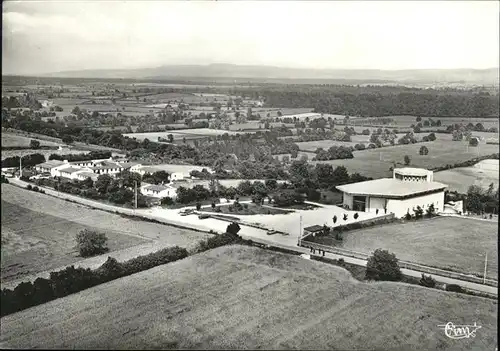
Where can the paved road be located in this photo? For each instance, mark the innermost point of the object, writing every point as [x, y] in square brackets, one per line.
[247, 232]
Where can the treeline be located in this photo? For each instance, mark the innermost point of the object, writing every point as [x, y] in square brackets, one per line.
[376, 103]
[93, 155]
[27, 161]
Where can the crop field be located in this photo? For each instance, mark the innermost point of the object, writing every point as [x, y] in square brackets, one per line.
[481, 174]
[238, 297]
[375, 163]
[180, 134]
[454, 243]
[11, 139]
[38, 231]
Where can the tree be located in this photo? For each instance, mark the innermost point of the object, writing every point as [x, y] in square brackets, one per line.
[473, 142]
[423, 150]
[419, 212]
[407, 160]
[356, 215]
[90, 243]
[432, 137]
[430, 211]
[427, 281]
[419, 119]
[340, 175]
[383, 265]
[198, 206]
[334, 219]
[67, 139]
[170, 138]
[34, 144]
[167, 201]
[104, 183]
[233, 228]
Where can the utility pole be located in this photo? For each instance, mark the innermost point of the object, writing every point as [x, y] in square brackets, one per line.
[20, 166]
[485, 264]
[300, 230]
[135, 202]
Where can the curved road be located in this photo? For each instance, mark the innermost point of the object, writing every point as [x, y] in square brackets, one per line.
[192, 222]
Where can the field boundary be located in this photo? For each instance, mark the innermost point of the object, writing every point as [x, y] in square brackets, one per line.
[402, 264]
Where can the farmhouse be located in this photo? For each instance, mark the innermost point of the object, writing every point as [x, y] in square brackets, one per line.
[159, 191]
[407, 189]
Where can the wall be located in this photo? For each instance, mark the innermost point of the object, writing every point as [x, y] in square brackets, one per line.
[400, 207]
[347, 200]
[375, 202]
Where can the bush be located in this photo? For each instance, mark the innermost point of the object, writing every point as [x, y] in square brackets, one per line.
[167, 201]
[356, 215]
[454, 288]
[423, 150]
[4, 179]
[430, 211]
[473, 142]
[91, 243]
[419, 212]
[29, 187]
[407, 216]
[233, 228]
[334, 219]
[427, 281]
[383, 265]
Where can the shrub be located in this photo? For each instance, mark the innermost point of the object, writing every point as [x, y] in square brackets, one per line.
[356, 215]
[91, 243]
[427, 281]
[167, 201]
[29, 187]
[233, 228]
[408, 216]
[454, 288]
[34, 144]
[198, 206]
[109, 270]
[430, 211]
[345, 216]
[407, 160]
[473, 142]
[334, 219]
[419, 212]
[423, 150]
[383, 265]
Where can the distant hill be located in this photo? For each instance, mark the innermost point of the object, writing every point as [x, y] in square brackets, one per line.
[229, 71]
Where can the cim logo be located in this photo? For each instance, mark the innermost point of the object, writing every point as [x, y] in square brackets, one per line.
[459, 331]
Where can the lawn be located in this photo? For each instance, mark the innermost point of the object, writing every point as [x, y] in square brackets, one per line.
[458, 244]
[38, 231]
[375, 163]
[12, 139]
[460, 179]
[238, 297]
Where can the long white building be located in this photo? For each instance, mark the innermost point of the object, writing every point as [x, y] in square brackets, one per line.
[407, 189]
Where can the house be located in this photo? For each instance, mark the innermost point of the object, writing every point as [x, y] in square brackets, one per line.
[142, 170]
[47, 103]
[407, 189]
[49, 167]
[82, 175]
[106, 167]
[159, 191]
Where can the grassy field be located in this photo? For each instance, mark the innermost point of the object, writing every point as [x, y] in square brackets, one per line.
[180, 134]
[11, 139]
[248, 209]
[481, 174]
[376, 162]
[446, 242]
[238, 297]
[38, 231]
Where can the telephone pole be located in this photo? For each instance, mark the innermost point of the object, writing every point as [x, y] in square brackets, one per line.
[485, 264]
[300, 230]
[20, 166]
[135, 192]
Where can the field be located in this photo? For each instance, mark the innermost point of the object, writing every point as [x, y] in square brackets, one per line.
[238, 297]
[11, 140]
[180, 134]
[406, 121]
[47, 241]
[481, 174]
[446, 242]
[375, 163]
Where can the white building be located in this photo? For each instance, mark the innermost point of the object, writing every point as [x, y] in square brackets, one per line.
[409, 188]
[159, 191]
[51, 167]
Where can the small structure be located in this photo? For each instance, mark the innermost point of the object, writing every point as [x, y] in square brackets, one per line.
[312, 230]
[159, 191]
[409, 188]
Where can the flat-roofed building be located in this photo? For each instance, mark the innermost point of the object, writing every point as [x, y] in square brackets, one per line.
[409, 188]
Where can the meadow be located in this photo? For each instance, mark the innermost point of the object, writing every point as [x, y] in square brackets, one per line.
[16, 140]
[458, 244]
[460, 179]
[376, 163]
[238, 297]
[180, 134]
[48, 240]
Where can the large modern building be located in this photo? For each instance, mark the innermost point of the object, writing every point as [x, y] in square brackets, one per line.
[407, 189]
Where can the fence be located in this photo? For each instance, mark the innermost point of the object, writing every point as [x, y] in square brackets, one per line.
[404, 264]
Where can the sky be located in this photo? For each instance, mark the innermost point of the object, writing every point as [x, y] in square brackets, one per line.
[53, 36]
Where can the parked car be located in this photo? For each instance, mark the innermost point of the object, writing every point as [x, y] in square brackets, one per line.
[204, 216]
[271, 232]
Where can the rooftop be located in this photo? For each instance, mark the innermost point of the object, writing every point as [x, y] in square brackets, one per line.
[412, 171]
[389, 187]
[89, 174]
[70, 170]
[51, 164]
